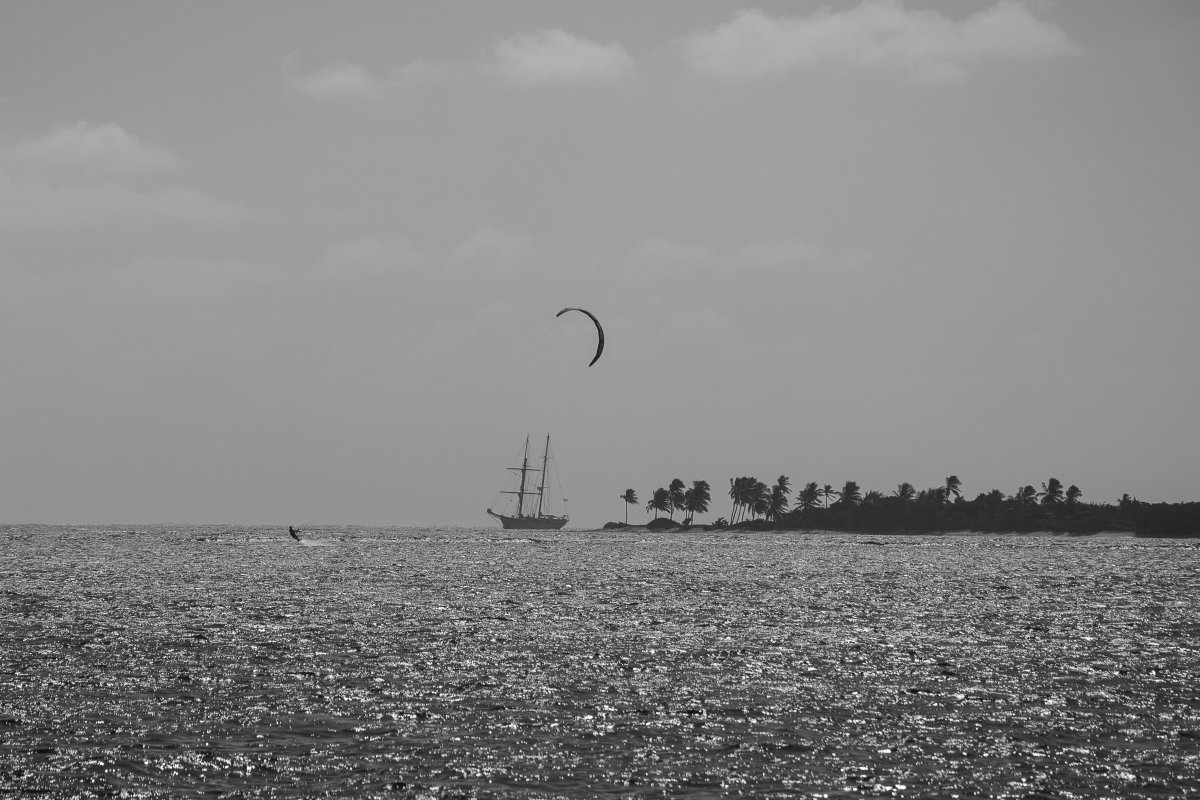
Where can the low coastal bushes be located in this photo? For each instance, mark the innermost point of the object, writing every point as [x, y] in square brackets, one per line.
[1056, 509]
[1143, 519]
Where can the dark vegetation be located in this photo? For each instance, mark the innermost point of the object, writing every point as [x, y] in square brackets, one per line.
[1058, 509]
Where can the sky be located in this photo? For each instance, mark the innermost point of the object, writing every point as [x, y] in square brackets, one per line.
[299, 262]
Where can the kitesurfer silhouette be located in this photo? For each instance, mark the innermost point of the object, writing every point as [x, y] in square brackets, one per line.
[293, 530]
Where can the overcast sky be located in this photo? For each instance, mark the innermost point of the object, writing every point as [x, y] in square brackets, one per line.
[256, 258]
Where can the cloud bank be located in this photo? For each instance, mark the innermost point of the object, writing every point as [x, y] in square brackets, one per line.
[877, 35]
[531, 60]
[371, 257]
[36, 205]
[344, 79]
[552, 57]
[663, 258]
[881, 35]
[491, 254]
[87, 175]
[94, 150]
[340, 79]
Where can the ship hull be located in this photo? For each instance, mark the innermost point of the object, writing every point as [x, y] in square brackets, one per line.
[542, 523]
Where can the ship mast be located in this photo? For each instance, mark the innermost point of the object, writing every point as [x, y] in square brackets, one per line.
[542, 487]
[524, 469]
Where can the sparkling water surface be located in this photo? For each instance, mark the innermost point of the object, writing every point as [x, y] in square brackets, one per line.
[168, 661]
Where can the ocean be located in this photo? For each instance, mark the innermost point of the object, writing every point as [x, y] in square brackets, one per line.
[225, 661]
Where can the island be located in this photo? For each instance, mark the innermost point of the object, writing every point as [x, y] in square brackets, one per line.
[1054, 508]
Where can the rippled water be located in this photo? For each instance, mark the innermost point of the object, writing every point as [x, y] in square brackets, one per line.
[482, 663]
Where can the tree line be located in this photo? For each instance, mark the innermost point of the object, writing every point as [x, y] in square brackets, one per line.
[1055, 507]
[676, 497]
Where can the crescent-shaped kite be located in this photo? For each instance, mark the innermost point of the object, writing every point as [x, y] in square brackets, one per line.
[599, 331]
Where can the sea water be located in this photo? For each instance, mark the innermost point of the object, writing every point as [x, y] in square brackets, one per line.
[166, 661]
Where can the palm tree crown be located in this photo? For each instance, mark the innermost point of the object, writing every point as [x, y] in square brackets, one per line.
[827, 492]
[661, 501]
[760, 499]
[1052, 492]
[784, 484]
[953, 487]
[676, 490]
[809, 497]
[1025, 496]
[777, 503]
[696, 499]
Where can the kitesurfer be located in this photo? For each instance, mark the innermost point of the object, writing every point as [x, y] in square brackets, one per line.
[293, 530]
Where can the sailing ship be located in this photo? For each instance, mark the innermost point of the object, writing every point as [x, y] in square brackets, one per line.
[533, 511]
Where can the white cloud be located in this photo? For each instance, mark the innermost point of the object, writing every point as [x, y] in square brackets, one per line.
[543, 58]
[85, 175]
[491, 253]
[556, 57]
[190, 282]
[777, 254]
[156, 283]
[37, 205]
[343, 79]
[661, 258]
[370, 257]
[876, 35]
[340, 79]
[665, 258]
[94, 150]
[423, 72]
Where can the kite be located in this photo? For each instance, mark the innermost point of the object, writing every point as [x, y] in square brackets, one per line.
[599, 331]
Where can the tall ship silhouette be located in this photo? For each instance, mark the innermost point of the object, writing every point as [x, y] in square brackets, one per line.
[535, 507]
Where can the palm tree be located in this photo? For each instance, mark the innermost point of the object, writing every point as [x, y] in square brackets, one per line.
[932, 496]
[993, 498]
[630, 498]
[760, 498]
[778, 503]
[660, 502]
[827, 492]
[784, 485]
[749, 496]
[1052, 492]
[696, 499]
[1025, 496]
[905, 492]
[809, 497]
[737, 493]
[851, 493]
[953, 487]
[872, 497]
[1073, 495]
[676, 491]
